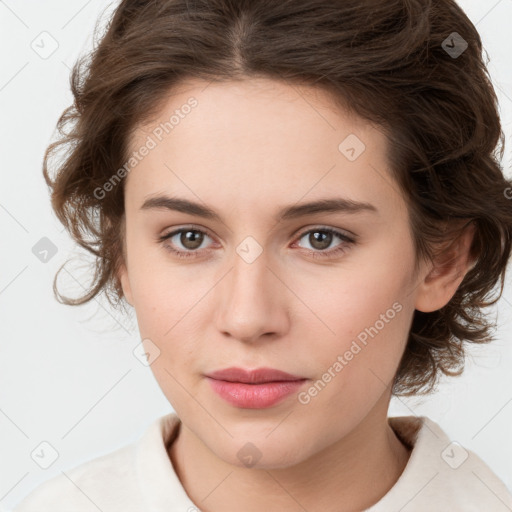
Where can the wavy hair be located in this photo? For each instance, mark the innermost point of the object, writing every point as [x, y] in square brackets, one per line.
[413, 67]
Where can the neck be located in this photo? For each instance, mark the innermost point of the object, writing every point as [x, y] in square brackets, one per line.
[352, 474]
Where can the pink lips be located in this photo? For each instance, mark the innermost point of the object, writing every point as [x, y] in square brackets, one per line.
[254, 389]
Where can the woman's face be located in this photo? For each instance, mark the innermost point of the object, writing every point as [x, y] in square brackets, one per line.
[256, 288]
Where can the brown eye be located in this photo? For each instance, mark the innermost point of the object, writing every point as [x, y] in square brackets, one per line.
[320, 239]
[184, 242]
[191, 239]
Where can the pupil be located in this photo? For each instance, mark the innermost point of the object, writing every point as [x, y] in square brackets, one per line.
[325, 239]
[191, 239]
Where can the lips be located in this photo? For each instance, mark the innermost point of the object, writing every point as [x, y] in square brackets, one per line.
[254, 389]
[257, 376]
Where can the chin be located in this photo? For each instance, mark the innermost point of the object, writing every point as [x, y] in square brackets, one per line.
[259, 453]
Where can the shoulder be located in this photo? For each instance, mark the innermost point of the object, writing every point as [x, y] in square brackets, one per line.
[441, 473]
[84, 488]
[110, 482]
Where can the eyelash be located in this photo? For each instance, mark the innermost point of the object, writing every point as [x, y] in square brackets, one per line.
[315, 254]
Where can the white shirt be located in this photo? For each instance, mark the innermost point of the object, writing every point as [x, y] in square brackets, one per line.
[440, 476]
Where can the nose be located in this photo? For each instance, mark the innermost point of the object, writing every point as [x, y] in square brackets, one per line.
[251, 301]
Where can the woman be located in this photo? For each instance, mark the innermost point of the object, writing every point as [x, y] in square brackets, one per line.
[301, 202]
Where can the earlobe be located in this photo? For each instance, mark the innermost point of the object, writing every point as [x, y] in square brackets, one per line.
[444, 277]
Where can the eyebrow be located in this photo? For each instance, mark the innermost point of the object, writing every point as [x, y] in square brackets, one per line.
[328, 205]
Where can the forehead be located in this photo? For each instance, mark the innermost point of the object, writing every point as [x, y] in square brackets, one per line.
[254, 139]
[264, 108]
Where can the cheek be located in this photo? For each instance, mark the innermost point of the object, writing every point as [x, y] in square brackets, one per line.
[355, 296]
[370, 333]
[161, 296]
[357, 364]
[365, 313]
[167, 304]
[162, 318]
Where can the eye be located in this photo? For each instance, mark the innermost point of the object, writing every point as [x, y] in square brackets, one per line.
[321, 238]
[189, 238]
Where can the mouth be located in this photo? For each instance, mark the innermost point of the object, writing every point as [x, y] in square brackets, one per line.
[254, 389]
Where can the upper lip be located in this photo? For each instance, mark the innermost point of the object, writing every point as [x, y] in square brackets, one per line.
[256, 376]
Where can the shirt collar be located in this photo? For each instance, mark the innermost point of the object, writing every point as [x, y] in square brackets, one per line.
[160, 485]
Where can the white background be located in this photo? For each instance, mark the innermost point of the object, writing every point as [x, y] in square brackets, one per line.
[67, 374]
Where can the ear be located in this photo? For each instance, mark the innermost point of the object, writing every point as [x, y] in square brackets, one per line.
[122, 273]
[449, 268]
[125, 284]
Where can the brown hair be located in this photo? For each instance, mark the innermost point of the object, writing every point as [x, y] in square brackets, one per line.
[396, 63]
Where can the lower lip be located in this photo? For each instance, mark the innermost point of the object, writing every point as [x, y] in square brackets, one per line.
[254, 396]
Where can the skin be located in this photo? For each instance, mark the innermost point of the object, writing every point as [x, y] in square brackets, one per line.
[248, 149]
